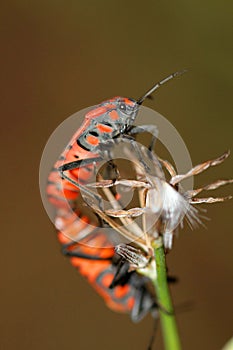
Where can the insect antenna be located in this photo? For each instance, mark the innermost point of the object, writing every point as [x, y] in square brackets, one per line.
[152, 338]
[158, 85]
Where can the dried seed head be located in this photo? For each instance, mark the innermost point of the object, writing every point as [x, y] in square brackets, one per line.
[137, 258]
[174, 205]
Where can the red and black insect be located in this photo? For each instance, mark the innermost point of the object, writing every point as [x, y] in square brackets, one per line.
[122, 290]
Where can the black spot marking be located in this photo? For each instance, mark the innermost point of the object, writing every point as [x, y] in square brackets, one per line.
[93, 133]
[82, 146]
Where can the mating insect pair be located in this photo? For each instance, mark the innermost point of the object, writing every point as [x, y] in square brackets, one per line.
[162, 205]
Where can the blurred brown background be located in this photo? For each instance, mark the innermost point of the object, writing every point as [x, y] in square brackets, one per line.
[58, 57]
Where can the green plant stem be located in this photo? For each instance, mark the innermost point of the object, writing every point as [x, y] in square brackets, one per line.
[167, 317]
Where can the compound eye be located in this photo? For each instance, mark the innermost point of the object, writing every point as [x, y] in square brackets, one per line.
[122, 107]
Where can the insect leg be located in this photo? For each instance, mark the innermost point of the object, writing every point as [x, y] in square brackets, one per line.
[70, 253]
[152, 339]
[137, 150]
[121, 275]
[152, 129]
[75, 165]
